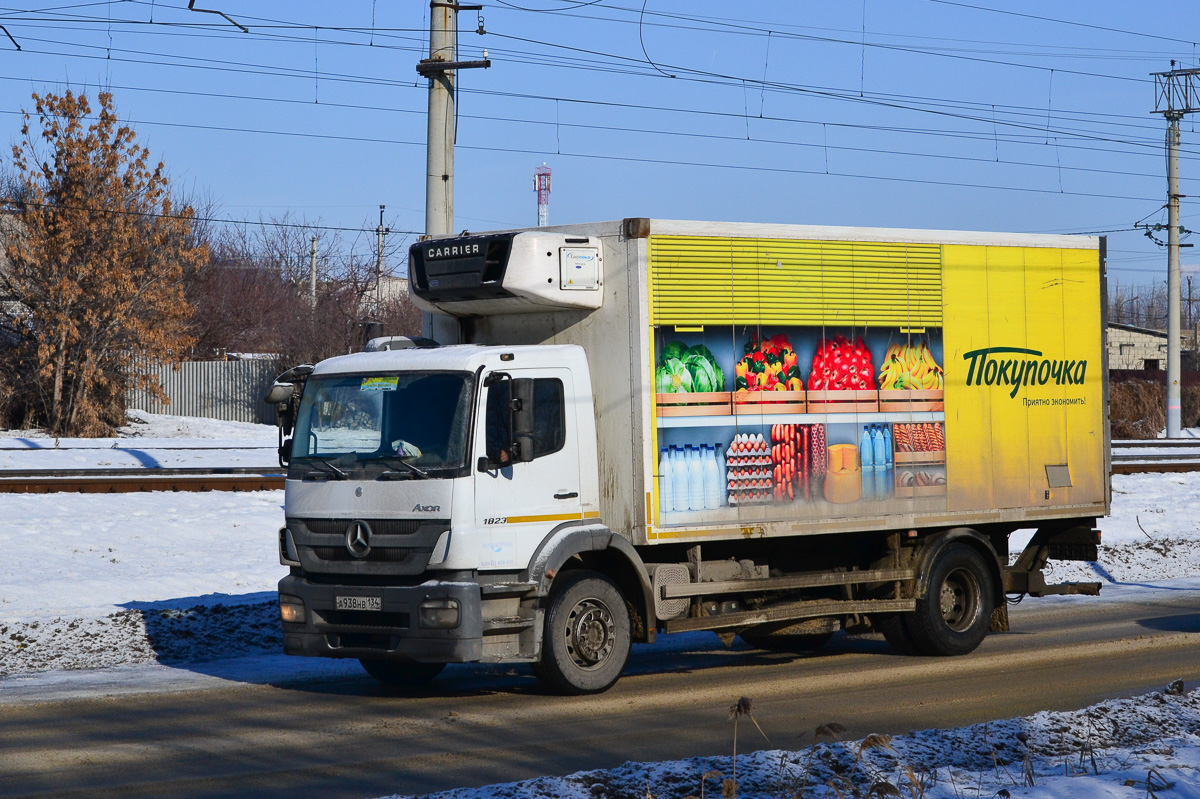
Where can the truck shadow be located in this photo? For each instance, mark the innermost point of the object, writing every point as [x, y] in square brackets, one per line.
[237, 637]
[684, 653]
[1178, 623]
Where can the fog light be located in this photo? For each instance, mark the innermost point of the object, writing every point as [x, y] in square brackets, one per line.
[439, 614]
[291, 609]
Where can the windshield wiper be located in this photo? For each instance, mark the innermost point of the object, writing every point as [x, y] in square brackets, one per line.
[424, 475]
[324, 460]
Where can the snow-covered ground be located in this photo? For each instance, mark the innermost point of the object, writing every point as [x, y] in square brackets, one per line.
[107, 592]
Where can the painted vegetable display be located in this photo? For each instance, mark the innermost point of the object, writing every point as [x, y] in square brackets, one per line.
[768, 365]
[911, 367]
[672, 377]
[682, 369]
[839, 365]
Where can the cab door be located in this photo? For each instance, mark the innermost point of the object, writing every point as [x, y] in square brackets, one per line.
[518, 504]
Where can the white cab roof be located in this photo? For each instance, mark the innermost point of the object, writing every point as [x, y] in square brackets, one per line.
[457, 358]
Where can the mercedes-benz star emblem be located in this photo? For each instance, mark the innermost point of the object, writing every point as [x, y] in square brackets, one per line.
[358, 538]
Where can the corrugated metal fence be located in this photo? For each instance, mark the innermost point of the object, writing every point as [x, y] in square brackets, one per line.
[229, 390]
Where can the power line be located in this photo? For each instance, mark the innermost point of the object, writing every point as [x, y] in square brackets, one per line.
[703, 76]
[624, 129]
[11, 202]
[586, 64]
[1064, 22]
[306, 74]
[821, 91]
[666, 162]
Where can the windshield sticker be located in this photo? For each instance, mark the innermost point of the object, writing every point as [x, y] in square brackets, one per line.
[379, 383]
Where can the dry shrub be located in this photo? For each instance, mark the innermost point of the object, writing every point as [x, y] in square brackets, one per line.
[1138, 408]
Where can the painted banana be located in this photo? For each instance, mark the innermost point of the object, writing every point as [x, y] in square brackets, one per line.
[910, 367]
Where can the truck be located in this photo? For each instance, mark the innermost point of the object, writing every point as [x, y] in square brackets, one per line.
[616, 431]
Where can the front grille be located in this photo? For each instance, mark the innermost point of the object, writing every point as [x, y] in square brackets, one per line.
[376, 555]
[362, 618]
[398, 546]
[378, 526]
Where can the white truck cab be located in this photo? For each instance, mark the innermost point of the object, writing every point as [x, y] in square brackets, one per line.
[414, 477]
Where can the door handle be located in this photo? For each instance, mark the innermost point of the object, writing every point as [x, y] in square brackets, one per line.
[566, 495]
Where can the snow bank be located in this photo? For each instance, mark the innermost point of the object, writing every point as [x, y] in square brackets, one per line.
[94, 580]
[1116, 749]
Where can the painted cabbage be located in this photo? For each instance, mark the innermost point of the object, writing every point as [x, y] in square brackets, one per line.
[718, 376]
[673, 378]
[703, 372]
[674, 350]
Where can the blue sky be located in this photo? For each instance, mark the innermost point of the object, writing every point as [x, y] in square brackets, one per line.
[979, 114]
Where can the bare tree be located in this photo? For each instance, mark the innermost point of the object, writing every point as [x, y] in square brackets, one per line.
[97, 256]
[254, 295]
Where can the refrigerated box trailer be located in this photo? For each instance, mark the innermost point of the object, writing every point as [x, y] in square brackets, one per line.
[640, 427]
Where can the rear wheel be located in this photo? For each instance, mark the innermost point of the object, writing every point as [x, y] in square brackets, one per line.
[586, 640]
[401, 673]
[953, 616]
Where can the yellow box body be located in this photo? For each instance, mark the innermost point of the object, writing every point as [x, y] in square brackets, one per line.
[1018, 331]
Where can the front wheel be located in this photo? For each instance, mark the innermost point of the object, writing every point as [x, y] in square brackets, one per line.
[586, 640]
[953, 616]
[401, 673]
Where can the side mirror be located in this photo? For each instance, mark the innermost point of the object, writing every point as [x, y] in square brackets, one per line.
[279, 393]
[523, 415]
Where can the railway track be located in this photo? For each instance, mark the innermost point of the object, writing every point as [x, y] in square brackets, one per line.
[120, 481]
[1132, 456]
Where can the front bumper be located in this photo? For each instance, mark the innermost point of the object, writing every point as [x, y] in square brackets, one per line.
[393, 632]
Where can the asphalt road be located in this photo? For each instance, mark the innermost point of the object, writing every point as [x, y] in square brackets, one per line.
[348, 737]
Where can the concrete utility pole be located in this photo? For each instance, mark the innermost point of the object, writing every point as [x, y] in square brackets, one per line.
[1176, 94]
[1174, 395]
[379, 231]
[440, 68]
[312, 273]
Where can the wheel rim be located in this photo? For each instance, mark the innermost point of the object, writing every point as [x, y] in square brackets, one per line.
[591, 633]
[960, 600]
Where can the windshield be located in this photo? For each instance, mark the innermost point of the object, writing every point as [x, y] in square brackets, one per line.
[381, 422]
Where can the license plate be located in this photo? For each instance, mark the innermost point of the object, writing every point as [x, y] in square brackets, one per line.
[359, 603]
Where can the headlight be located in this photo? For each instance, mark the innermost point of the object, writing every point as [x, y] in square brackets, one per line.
[439, 614]
[291, 609]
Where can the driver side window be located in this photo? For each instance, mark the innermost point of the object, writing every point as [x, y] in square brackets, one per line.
[549, 434]
[498, 423]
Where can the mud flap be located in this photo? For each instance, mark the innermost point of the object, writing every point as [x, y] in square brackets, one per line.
[999, 619]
